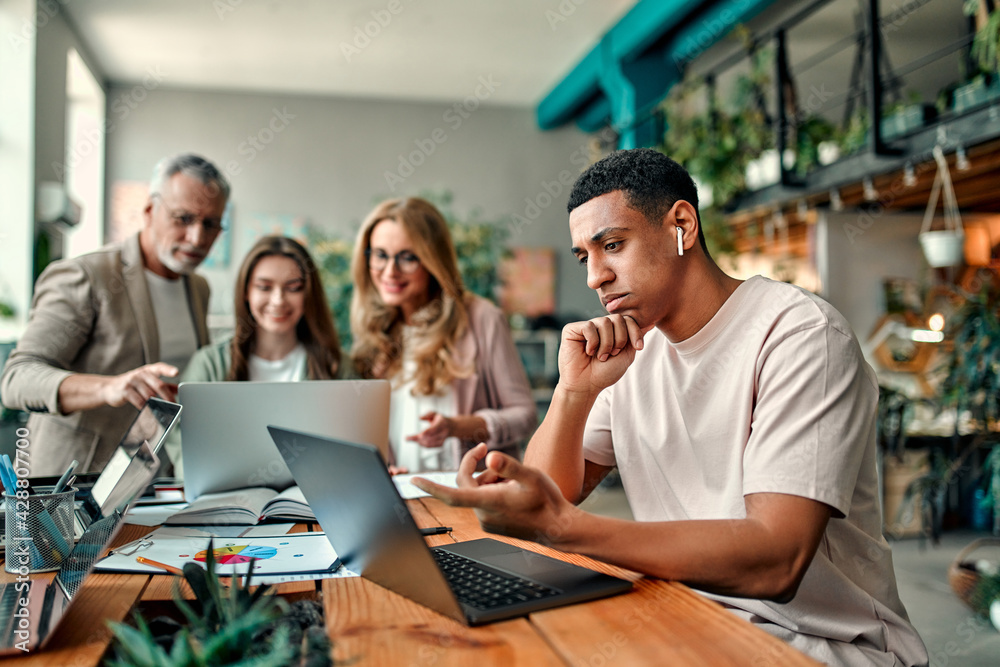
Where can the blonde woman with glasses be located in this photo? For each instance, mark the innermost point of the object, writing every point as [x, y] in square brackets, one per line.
[457, 378]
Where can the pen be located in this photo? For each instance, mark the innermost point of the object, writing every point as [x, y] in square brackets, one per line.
[61, 484]
[8, 475]
[163, 566]
[436, 530]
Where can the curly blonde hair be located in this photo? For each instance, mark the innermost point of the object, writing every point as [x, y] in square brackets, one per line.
[378, 329]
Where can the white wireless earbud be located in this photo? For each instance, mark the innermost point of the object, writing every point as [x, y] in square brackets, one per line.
[680, 242]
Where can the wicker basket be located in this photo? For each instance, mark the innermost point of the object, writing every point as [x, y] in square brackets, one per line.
[962, 574]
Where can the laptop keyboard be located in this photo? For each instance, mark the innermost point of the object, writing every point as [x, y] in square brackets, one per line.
[484, 588]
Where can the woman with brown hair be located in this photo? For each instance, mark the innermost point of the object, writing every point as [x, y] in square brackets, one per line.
[457, 378]
[284, 331]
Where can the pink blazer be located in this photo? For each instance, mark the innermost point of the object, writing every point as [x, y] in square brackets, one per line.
[498, 390]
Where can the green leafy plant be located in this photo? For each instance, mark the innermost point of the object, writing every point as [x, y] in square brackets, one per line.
[333, 260]
[224, 627]
[991, 484]
[986, 591]
[927, 495]
[973, 366]
[812, 131]
[854, 137]
[712, 142]
[986, 43]
[894, 409]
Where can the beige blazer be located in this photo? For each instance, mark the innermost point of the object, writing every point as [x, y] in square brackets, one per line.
[90, 314]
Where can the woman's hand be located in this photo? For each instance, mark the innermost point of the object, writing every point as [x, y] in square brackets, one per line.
[434, 435]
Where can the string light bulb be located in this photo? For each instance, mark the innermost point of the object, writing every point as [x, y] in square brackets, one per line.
[936, 322]
[836, 203]
[961, 159]
[871, 194]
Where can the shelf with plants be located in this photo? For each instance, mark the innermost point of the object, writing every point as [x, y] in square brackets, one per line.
[984, 84]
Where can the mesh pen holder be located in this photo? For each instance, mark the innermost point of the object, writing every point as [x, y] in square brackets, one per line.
[39, 531]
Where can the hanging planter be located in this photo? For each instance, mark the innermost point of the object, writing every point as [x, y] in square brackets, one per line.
[943, 247]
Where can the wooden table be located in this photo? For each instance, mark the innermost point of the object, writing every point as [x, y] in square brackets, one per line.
[659, 622]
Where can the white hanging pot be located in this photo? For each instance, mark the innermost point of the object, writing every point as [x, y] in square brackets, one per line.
[944, 247]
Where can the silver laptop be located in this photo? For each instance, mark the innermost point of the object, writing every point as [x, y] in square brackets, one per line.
[475, 582]
[224, 441]
[31, 611]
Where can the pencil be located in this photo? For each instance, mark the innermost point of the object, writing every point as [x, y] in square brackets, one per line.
[162, 566]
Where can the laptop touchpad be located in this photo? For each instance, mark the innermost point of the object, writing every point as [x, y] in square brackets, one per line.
[525, 563]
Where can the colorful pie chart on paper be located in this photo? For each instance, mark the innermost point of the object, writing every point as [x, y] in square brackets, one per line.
[240, 553]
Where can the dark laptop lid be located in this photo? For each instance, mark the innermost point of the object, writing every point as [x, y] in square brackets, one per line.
[356, 503]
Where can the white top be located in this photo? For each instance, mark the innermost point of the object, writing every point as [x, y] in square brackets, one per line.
[291, 368]
[405, 410]
[178, 339]
[771, 396]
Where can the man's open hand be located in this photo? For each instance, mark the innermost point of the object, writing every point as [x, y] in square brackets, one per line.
[509, 498]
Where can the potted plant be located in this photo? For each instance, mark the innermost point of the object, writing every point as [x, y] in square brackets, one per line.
[973, 365]
[900, 119]
[234, 626]
[853, 137]
[984, 84]
[815, 136]
[991, 486]
[718, 146]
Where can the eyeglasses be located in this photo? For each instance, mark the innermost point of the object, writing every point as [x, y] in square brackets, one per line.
[405, 260]
[183, 219]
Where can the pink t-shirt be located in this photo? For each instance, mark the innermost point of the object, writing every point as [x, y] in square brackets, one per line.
[771, 396]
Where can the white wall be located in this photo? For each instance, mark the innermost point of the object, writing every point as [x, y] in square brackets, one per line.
[17, 146]
[326, 159]
[861, 250]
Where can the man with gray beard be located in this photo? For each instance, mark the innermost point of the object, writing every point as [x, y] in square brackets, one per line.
[107, 327]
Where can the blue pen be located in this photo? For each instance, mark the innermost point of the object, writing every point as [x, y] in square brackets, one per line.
[8, 474]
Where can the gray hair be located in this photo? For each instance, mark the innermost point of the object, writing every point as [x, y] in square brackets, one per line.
[191, 165]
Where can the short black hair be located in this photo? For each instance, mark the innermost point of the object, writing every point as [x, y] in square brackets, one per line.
[651, 181]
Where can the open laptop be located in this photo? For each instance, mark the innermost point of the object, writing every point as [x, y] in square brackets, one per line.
[224, 441]
[31, 610]
[98, 494]
[475, 582]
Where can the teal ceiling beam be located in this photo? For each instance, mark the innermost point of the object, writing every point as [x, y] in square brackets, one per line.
[636, 63]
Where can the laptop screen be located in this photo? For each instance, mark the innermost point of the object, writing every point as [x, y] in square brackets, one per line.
[118, 485]
[145, 435]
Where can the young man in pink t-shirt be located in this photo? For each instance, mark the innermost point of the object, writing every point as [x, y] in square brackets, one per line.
[745, 435]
